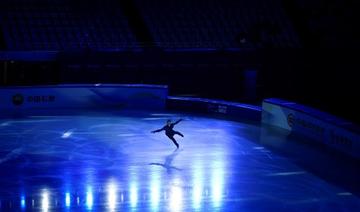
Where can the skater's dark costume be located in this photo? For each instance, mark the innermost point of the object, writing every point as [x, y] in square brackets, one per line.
[169, 132]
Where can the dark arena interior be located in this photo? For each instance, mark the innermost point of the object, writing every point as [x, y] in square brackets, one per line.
[179, 105]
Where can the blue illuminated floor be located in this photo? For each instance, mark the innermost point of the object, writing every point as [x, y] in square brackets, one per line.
[110, 161]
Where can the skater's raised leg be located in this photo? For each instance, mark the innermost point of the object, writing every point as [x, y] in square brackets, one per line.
[178, 133]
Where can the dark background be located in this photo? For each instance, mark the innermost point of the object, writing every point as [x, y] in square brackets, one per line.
[316, 65]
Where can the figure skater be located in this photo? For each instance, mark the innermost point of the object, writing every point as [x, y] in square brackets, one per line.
[169, 132]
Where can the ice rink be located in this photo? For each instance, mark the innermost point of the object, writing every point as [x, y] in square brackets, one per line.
[109, 161]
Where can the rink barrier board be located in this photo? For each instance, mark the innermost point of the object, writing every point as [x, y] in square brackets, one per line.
[225, 109]
[83, 96]
[314, 124]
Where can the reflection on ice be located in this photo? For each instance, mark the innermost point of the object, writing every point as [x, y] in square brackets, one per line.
[45, 203]
[112, 196]
[217, 183]
[67, 200]
[23, 202]
[155, 190]
[133, 194]
[89, 198]
[176, 196]
[198, 178]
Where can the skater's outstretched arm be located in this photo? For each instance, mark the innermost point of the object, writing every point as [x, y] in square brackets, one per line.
[159, 130]
[177, 122]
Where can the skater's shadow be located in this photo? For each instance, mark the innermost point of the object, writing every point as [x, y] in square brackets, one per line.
[168, 161]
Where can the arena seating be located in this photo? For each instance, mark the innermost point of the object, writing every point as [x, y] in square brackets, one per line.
[218, 24]
[64, 25]
[176, 24]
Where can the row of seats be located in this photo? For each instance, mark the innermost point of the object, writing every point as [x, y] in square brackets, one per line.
[220, 24]
[62, 25]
